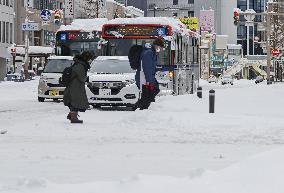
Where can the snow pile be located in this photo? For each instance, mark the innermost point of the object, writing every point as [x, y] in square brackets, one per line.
[260, 174]
[174, 144]
[85, 25]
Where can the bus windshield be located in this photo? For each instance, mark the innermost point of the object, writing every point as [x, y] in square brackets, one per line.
[111, 66]
[57, 65]
[74, 48]
[71, 43]
[120, 47]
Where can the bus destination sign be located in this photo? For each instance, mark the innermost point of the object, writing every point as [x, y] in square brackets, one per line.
[76, 36]
[121, 31]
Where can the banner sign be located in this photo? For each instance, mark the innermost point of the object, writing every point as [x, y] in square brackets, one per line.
[206, 20]
[190, 22]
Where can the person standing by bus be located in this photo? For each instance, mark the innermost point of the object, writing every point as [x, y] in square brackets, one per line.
[145, 74]
[75, 96]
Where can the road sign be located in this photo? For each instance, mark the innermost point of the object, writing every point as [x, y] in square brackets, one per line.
[275, 52]
[30, 27]
[45, 23]
[45, 15]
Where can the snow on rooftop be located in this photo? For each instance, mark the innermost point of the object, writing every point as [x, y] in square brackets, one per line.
[60, 58]
[86, 25]
[33, 50]
[112, 58]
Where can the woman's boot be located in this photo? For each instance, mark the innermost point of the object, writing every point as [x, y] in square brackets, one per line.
[74, 118]
[69, 116]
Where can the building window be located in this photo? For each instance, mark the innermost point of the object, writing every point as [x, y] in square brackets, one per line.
[7, 2]
[175, 2]
[190, 1]
[11, 33]
[0, 30]
[7, 32]
[190, 13]
[4, 32]
[23, 36]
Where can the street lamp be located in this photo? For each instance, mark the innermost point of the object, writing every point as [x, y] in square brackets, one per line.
[155, 8]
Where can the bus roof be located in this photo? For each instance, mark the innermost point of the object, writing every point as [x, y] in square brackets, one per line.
[85, 25]
[175, 24]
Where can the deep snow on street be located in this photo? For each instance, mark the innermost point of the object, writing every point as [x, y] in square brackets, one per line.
[176, 137]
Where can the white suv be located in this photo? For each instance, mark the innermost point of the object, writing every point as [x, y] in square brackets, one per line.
[49, 86]
[212, 78]
[227, 80]
[112, 82]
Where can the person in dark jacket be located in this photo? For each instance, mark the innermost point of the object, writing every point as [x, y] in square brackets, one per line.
[75, 96]
[145, 74]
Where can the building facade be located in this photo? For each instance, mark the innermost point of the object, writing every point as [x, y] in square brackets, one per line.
[111, 9]
[223, 16]
[7, 25]
[46, 35]
[140, 4]
[170, 8]
[258, 6]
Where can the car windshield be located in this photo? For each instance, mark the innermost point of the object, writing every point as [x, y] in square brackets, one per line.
[57, 65]
[111, 66]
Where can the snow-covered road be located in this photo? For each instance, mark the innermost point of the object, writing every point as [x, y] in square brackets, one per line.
[175, 137]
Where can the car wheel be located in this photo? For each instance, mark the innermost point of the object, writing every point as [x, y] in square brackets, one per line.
[40, 99]
[232, 84]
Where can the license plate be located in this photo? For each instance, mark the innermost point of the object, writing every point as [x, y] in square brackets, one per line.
[53, 93]
[105, 92]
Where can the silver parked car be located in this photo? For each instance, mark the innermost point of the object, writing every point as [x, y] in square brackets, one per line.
[49, 86]
[227, 80]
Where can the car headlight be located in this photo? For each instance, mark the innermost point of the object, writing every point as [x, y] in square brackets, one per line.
[129, 82]
[42, 81]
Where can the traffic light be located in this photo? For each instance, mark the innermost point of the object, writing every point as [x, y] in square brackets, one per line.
[57, 17]
[13, 51]
[236, 17]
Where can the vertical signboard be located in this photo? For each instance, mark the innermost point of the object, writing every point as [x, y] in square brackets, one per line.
[101, 8]
[69, 8]
[206, 20]
[29, 3]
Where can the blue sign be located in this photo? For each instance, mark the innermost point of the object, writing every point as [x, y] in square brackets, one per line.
[63, 37]
[161, 31]
[45, 15]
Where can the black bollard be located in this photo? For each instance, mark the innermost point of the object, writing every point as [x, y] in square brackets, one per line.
[212, 101]
[199, 92]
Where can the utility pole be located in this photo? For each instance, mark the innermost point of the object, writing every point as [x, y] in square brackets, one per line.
[248, 47]
[97, 8]
[26, 65]
[268, 31]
